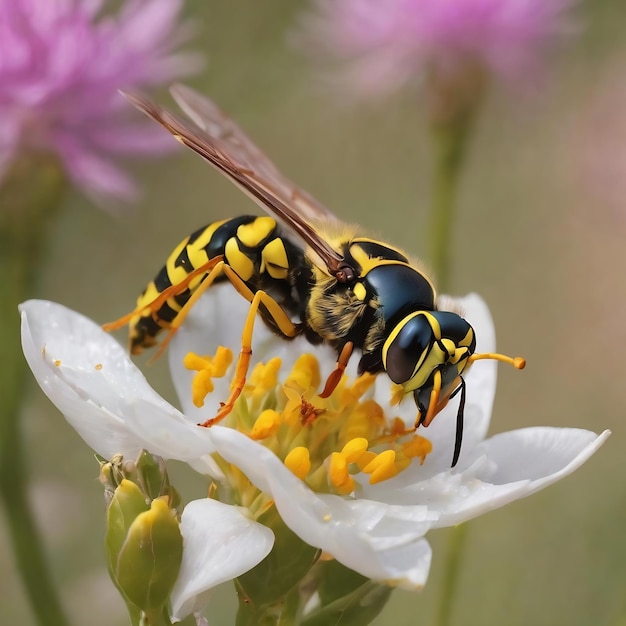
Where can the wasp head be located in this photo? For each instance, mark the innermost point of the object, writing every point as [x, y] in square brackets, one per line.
[426, 353]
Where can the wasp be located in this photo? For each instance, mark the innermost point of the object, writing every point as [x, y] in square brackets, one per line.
[304, 273]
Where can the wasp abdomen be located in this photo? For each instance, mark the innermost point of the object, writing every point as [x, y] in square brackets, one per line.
[252, 246]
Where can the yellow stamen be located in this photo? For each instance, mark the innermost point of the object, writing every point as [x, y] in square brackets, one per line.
[201, 387]
[207, 367]
[398, 428]
[382, 467]
[365, 459]
[264, 376]
[218, 364]
[298, 461]
[305, 374]
[338, 474]
[362, 384]
[364, 419]
[354, 449]
[265, 425]
[417, 447]
[397, 394]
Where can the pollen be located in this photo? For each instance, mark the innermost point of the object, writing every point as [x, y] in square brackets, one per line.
[299, 462]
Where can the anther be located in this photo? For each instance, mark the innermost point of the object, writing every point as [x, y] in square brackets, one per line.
[298, 461]
[305, 373]
[265, 425]
[338, 474]
[201, 387]
[382, 467]
[419, 447]
[354, 449]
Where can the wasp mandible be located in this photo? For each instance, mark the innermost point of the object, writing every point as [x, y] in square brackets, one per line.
[304, 272]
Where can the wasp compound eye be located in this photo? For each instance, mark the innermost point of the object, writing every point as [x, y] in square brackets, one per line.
[407, 347]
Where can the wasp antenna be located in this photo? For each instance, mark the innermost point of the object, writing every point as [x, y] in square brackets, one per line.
[517, 362]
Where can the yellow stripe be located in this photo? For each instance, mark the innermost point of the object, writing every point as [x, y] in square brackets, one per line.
[254, 233]
[274, 259]
[359, 291]
[238, 260]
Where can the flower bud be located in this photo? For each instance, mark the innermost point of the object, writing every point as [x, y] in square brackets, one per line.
[143, 540]
[147, 565]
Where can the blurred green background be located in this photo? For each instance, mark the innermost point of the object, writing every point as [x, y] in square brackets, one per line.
[540, 235]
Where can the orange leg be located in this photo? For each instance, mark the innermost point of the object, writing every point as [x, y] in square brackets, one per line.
[335, 376]
[243, 363]
[165, 295]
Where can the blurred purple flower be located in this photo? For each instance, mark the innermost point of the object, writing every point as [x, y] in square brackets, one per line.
[61, 65]
[386, 44]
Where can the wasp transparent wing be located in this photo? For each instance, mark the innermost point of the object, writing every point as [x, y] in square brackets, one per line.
[233, 156]
[210, 118]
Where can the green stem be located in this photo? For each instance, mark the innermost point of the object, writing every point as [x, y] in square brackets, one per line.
[282, 613]
[450, 140]
[26, 201]
[451, 128]
[158, 617]
[452, 570]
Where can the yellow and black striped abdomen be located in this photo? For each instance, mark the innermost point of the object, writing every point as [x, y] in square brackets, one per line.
[252, 246]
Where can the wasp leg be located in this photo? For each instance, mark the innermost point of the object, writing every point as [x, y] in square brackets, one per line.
[286, 326]
[219, 267]
[335, 376]
[170, 292]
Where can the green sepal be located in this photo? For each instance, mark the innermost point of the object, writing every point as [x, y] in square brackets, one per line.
[281, 570]
[148, 563]
[346, 598]
[153, 478]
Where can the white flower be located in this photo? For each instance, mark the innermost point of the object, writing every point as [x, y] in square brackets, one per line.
[377, 530]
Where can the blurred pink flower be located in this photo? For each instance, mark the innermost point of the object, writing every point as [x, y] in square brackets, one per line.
[61, 65]
[386, 44]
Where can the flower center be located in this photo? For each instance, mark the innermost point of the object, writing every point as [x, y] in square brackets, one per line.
[326, 442]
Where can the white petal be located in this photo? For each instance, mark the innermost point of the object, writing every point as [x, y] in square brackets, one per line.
[219, 544]
[91, 380]
[217, 319]
[502, 469]
[380, 541]
[541, 455]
